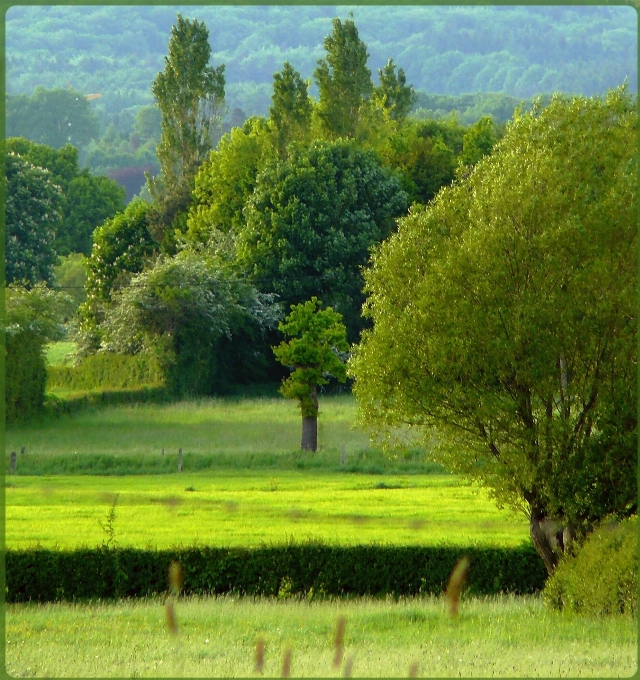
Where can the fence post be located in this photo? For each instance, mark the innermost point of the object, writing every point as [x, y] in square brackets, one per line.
[179, 460]
[22, 450]
[343, 457]
[13, 461]
[163, 450]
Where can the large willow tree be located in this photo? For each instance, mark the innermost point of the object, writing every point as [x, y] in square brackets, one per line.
[505, 320]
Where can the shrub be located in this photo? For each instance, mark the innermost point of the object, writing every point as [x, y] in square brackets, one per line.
[106, 370]
[602, 577]
[26, 375]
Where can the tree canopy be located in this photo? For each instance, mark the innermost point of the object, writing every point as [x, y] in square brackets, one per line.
[311, 222]
[505, 319]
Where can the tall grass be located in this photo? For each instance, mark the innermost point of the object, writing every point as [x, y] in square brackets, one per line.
[217, 637]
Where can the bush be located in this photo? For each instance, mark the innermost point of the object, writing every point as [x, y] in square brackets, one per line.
[98, 371]
[308, 570]
[602, 577]
[26, 375]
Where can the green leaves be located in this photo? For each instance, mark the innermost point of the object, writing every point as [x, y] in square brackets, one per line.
[317, 337]
[505, 313]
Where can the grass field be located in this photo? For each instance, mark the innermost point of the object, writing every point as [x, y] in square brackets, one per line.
[491, 637]
[251, 507]
[57, 353]
[207, 426]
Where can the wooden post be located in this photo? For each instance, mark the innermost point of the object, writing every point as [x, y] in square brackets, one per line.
[22, 450]
[13, 461]
[343, 458]
[163, 450]
[179, 460]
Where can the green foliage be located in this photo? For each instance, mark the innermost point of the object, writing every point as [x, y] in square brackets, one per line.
[182, 310]
[602, 578]
[291, 109]
[343, 80]
[478, 141]
[121, 247]
[47, 576]
[317, 336]
[393, 94]
[56, 117]
[311, 222]
[505, 316]
[226, 180]
[106, 370]
[86, 201]
[71, 276]
[32, 213]
[190, 96]
[32, 318]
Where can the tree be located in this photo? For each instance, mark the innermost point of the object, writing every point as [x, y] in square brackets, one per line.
[87, 200]
[343, 80]
[311, 222]
[226, 180]
[393, 93]
[33, 317]
[53, 117]
[478, 141]
[505, 320]
[192, 312]
[190, 96]
[291, 108]
[318, 336]
[32, 214]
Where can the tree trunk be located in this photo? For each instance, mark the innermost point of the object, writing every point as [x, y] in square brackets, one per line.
[310, 434]
[310, 422]
[550, 538]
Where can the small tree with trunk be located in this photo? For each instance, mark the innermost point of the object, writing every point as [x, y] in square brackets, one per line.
[317, 338]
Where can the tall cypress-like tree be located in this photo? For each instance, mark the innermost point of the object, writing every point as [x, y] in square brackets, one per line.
[343, 79]
[290, 112]
[190, 96]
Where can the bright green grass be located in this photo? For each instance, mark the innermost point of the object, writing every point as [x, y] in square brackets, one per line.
[57, 352]
[247, 508]
[201, 427]
[506, 636]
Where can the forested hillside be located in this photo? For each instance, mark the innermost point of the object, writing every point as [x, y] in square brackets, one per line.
[520, 51]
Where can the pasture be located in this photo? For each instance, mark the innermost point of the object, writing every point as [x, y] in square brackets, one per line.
[216, 637]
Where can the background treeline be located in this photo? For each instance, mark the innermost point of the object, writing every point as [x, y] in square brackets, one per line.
[520, 51]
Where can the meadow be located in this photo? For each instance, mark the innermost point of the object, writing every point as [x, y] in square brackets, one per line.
[245, 482]
[216, 637]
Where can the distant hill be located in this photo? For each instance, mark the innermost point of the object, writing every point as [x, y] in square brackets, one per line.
[519, 51]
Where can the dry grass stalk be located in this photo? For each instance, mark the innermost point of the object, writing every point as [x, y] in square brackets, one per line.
[259, 657]
[170, 613]
[286, 663]
[456, 581]
[413, 670]
[348, 666]
[339, 641]
[176, 578]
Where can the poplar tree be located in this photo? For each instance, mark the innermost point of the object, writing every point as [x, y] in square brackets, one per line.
[190, 96]
[343, 79]
[290, 113]
[393, 93]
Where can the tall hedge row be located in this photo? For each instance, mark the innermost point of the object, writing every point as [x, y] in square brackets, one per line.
[116, 371]
[25, 375]
[297, 569]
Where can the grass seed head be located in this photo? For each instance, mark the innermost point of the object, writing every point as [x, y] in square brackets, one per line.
[339, 641]
[259, 657]
[170, 613]
[348, 666]
[456, 581]
[176, 577]
[286, 663]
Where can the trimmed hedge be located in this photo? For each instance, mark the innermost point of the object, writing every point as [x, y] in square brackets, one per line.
[120, 371]
[296, 569]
